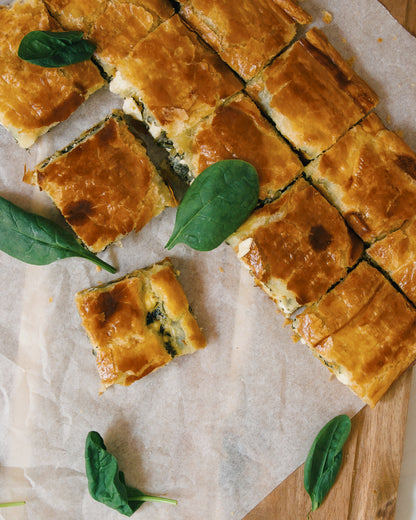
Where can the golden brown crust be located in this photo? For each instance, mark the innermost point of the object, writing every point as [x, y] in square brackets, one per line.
[364, 331]
[297, 247]
[311, 94]
[246, 34]
[396, 255]
[370, 175]
[177, 77]
[105, 187]
[237, 130]
[34, 98]
[81, 15]
[119, 317]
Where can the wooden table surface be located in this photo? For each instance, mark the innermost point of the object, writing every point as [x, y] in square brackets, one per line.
[366, 487]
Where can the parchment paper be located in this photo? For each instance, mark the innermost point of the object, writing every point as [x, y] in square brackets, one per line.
[217, 430]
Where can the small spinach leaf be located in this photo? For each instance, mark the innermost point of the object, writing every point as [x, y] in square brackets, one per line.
[37, 240]
[55, 49]
[106, 482]
[324, 459]
[218, 201]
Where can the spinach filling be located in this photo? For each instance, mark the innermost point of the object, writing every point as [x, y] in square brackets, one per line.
[158, 317]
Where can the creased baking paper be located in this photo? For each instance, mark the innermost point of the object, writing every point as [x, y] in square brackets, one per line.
[217, 430]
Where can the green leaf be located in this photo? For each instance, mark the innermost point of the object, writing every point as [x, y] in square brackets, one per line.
[38, 241]
[215, 205]
[12, 504]
[106, 483]
[55, 49]
[324, 459]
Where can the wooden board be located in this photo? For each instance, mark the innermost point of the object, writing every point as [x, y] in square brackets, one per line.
[366, 487]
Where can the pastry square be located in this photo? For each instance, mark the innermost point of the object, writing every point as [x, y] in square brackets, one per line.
[296, 247]
[33, 98]
[312, 95]
[104, 184]
[396, 255]
[363, 330]
[246, 34]
[238, 130]
[138, 323]
[370, 176]
[177, 79]
[115, 26]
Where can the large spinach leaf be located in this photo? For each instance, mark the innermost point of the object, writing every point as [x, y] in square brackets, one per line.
[37, 240]
[106, 482]
[215, 205]
[324, 459]
[55, 49]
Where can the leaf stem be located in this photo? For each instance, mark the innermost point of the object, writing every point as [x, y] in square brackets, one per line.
[151, 498]
[101, 263]
[12, 504]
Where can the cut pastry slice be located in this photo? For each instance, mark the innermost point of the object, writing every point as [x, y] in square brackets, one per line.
[33, 99]
[370, 176]
[296, 247]
[396, 255]
[138, 323]
[246, 34]
[104, 183]
[312, 95]
[363, 330]
[115, 26]
[238, 130]
[175, 77]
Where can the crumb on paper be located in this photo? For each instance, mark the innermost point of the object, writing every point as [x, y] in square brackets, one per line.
[221, 269]
[351, 61]
[379, 40]
[326, 16]
[98, 268]
[331, 377]
[50, 299]
[344, 40]
[295, 338]
[394, 37]
[287, 322]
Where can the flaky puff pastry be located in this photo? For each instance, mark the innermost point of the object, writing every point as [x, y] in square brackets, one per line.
[312, 94]
[33, 98]
[364, 331]
[296, 247]
[138, 323]
[115, 26]
[396, 255]
[238, 130]
[370, 176]
[175, 76]
[104, 184]
[246, 34]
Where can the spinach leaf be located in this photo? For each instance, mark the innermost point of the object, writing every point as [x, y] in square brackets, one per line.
[106, 482]
[55, 49]
[324, 459]
[37, 240]
[218, 201]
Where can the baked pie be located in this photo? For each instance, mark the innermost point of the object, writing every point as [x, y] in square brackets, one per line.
[363, 330]
[238, 130]
[296, 247]
[246, 34]
[370, 176]
[33, 99]
[396, 255]
[104, 183]
[312, 94]
[138, 323]
[175, 77]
